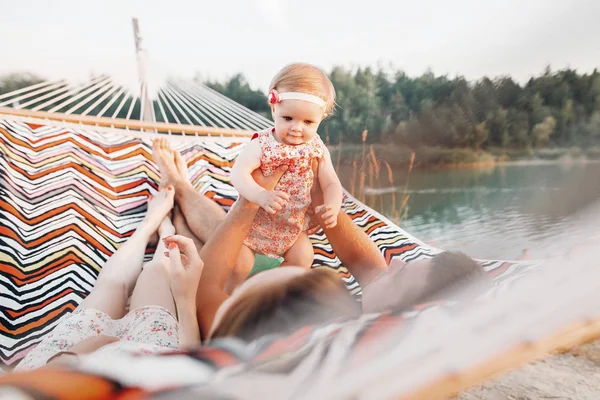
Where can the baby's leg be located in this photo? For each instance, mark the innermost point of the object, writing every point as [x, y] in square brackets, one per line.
[243, 266]
[301, 253]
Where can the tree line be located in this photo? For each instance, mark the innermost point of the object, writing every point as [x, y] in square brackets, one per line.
[555, 109]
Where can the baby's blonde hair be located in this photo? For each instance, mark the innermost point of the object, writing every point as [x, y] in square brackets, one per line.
[305, 78]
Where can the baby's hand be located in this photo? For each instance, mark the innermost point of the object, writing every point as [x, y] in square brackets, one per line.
[272, 200]
[329, 214]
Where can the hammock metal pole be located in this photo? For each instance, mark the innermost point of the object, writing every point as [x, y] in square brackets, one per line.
[146, 109]
[143, 93]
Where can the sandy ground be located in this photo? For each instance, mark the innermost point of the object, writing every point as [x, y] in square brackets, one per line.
[571, 375]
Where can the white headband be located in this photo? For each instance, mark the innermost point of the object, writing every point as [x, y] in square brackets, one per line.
[276, 97]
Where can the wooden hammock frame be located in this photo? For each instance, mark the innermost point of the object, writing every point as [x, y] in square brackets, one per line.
[119, 123]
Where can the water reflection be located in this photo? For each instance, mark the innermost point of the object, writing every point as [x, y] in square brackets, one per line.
[491, 212]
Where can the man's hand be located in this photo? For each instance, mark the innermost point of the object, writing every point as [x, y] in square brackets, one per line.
[272, 200]
[269, 182]
[329, 214]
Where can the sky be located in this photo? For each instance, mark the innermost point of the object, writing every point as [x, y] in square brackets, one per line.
[217, 39]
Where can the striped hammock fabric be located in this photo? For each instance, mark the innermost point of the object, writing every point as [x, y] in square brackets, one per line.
[69, 198]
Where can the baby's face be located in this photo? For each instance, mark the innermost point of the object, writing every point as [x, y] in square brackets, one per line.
[296, 121]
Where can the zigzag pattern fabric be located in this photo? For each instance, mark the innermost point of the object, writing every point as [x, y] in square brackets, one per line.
[69, 198]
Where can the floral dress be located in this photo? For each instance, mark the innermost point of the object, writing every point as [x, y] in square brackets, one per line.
[145, 330]
[273, 234]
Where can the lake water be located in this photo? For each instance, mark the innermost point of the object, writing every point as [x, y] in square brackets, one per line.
[494, 212]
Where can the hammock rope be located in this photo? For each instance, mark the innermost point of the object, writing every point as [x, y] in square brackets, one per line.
[178, 102]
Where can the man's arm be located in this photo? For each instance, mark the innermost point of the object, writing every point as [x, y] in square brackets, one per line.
[354, 248]
[221, 251]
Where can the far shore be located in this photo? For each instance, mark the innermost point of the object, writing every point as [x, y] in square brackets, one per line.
[433, 157]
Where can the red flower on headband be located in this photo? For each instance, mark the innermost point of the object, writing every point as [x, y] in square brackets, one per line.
[273, 97]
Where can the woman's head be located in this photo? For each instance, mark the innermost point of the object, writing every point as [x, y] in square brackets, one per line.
[283, 300]
[296, 120]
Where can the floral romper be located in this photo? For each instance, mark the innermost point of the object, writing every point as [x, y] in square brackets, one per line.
[274, 234]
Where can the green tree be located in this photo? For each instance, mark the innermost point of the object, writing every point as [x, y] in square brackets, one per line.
[15, 81]
[238, 89]
[542, 131]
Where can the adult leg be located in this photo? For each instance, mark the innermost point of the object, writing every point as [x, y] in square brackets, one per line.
[355, 249]
[182, 228]
[202, 214]
[301, 254]
[118, 276]
[245, 260]
[153, 286]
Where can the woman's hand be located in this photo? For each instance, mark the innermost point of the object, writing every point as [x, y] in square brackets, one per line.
[186, 267]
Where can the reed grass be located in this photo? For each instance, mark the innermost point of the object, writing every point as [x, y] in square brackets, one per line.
[367, 171]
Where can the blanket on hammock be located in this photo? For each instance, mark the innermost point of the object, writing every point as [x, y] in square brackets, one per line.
[69, 198]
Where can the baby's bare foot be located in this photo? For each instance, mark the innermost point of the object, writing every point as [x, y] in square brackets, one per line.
[163, 156]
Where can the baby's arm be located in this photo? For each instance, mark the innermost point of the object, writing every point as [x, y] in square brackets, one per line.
[241, 178]
[332, 191]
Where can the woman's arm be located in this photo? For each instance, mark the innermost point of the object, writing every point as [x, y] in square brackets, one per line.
[332, 191]
[189, 334]
[184, 273]
[242, 180]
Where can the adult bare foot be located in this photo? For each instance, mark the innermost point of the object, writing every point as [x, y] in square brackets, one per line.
[164, 157]
[159, 207]
[181, 165]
